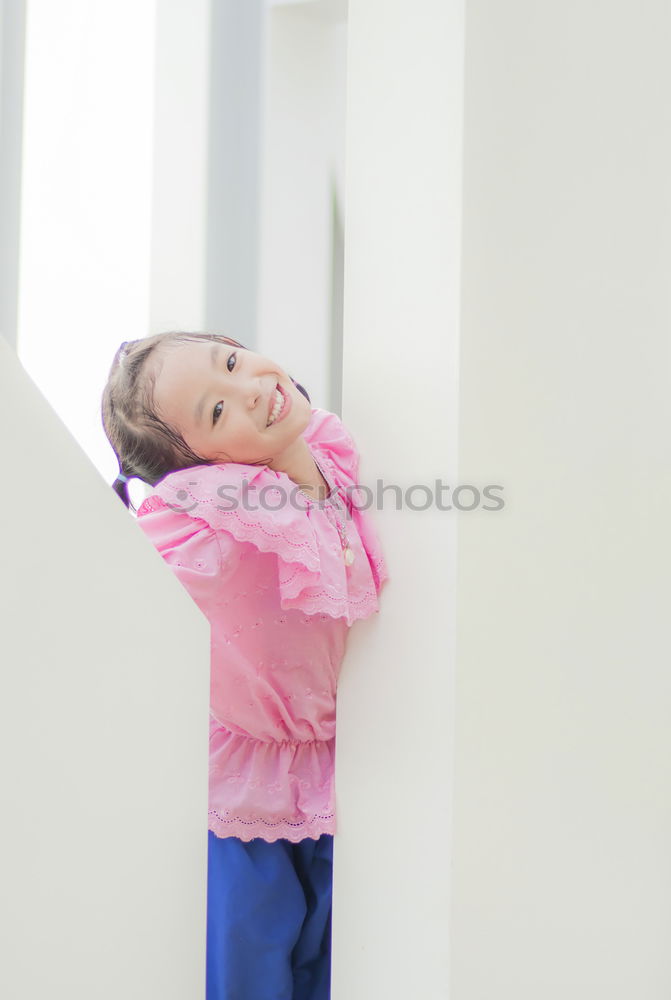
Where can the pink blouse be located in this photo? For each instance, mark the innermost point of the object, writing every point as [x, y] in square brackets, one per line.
[265, 564]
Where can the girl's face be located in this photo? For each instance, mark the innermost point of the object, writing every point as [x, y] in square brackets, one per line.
[223, 400]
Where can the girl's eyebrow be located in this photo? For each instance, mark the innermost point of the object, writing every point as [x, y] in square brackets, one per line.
[198, 413]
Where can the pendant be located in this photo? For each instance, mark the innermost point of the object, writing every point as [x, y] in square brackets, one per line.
[348, 556]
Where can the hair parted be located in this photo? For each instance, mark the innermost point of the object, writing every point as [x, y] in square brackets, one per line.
[146, 447]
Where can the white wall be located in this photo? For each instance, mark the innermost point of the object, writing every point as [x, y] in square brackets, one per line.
[562, 867]
[104, 708]
[508, 836]
[179, 206]
[303, 152]
[103, 732]
[86, 220]
[237, 41]
[12, 43]
[402, 260]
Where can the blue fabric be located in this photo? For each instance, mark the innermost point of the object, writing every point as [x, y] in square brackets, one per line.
[269, 919]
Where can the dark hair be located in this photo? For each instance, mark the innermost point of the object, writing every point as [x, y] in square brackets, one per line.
[146, 447]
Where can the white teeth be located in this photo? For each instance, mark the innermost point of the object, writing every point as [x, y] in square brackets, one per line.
[279, 399]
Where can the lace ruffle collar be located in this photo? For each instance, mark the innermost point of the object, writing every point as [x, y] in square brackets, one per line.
[267, 509]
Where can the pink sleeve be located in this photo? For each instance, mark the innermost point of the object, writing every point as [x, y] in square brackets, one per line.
[203, 560]
[329, 433]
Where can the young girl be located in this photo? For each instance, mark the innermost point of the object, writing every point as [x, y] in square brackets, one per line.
[254, 509]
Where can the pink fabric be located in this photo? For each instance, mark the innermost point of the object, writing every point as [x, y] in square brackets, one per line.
[280, 600]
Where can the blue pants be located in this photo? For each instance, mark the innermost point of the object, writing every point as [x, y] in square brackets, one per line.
[269, 919]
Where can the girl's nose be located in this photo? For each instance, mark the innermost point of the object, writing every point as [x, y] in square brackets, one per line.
[253, 393]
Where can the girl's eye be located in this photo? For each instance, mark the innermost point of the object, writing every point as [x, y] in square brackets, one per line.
[215, 415]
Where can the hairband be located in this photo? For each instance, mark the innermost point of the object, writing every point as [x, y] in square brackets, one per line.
[121, 478]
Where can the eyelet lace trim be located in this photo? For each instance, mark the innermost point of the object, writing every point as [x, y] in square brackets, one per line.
[296, 536]
[223, 825]
[290, 549]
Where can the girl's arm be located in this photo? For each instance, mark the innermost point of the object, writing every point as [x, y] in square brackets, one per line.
[203, 559]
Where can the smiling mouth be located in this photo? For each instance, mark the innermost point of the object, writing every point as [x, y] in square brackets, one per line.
[277, 406]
